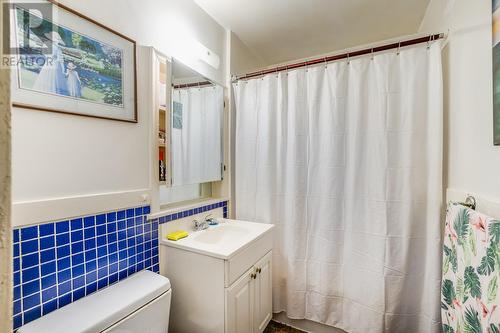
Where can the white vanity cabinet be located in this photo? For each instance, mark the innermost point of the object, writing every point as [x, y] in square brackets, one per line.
[221, 279]
[249, 300]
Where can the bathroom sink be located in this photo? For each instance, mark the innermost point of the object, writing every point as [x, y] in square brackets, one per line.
[224, 240]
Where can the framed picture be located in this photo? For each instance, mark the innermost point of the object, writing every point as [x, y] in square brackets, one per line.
[496, 71]
[70, 63]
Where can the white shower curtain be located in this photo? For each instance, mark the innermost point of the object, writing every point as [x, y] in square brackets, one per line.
[345, 160]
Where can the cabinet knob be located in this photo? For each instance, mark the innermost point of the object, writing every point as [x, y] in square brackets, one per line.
[253, 276]
[259, 270]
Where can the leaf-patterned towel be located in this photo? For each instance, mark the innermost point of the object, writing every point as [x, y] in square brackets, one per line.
[471, 272]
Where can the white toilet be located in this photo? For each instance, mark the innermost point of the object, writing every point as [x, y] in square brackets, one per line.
[140, 303]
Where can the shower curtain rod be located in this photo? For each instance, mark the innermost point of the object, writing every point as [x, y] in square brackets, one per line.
[396, 45]
[190, 85]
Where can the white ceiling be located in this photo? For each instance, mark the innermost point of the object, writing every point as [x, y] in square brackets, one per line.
[283, 30]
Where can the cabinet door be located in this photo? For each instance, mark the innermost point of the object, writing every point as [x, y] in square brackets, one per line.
[263, 311]
[240, 305]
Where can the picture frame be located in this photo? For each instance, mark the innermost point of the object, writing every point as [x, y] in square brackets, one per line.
[72, 64]
[495, 8]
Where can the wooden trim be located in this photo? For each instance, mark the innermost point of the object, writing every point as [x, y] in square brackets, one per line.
[135, 104]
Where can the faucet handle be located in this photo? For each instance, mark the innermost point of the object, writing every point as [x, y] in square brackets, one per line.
[208, 217]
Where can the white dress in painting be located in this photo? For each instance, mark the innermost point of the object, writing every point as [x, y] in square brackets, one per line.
[74, 82]
[51, 78]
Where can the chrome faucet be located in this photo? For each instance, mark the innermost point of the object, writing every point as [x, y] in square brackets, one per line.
[202, 225]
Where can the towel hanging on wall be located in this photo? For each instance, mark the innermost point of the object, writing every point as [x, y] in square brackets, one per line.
[471, 272]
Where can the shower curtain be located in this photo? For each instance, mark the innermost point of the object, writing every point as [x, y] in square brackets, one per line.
[345, 160]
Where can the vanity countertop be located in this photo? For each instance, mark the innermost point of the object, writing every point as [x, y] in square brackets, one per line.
[222, 241]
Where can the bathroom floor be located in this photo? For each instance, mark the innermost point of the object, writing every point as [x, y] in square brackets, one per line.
[275, 327]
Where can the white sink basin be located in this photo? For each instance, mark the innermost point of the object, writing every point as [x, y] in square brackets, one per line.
[224, 240]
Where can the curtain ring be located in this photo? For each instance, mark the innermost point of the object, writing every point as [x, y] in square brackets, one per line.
[399, 48]
[348, 59]
[429, 42]
[326, 62]
[372, 57]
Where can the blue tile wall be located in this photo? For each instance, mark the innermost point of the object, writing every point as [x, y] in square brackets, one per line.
[193, 211]
[60, 262]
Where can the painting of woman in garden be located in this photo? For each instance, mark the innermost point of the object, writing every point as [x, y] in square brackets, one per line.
[76, 66]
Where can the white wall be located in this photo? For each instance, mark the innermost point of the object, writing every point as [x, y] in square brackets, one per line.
[66, 165]
[472, 162]
[243, 60]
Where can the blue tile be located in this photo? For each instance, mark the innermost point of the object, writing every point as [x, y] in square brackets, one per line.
[123, 264]
[130, 222]
[62, 227]
[29, 246]
[111, 227]
[155, 260]
[76, 236]
[17, 279]
[102, 283]
[102, 251]
[32, 314]
[122, 274]
[102, 272]
[76, 224]
[64, 288]
[18, 321]
[90, 244]
[77, 294]
[30, 260]
[64, 276]
[63, 263]
[15, 235]
[78, 270]
[101, 262]
[131, 270]
[113, 278]
[30, 274]
[91, 277]
[79, 282]
[121, 225]
[146, 210]
[47, 255]
[101, 230]
[89, 233]
[130, 213]
[101, 240]
[16, 249]
[120, 215]
[122, 254]
[48, 268]
[112, 248]
[62, 239]
[63, 251]
[46, 229]
[131, 242]
[77, 247]
[156, 268]
[77, 259]
[31, 301]
[90, 255]
[89, 289]
[90, 265]
[130, 232]
[49, 294]
[16, 308]
[110, 217]
[89, 221]
[47, 242]
[17, 264]
[49, 307]
[28, 233]
[138, 211]
[100, 219]
[138, 220]
[112, 237]
[48, 281]
[31, 287]
[64, 300]
[113, 268]
[17, 293]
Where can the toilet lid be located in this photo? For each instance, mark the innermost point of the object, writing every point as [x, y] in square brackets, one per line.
[102, 309]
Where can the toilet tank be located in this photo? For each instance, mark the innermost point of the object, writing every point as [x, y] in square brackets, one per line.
[140, 303]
